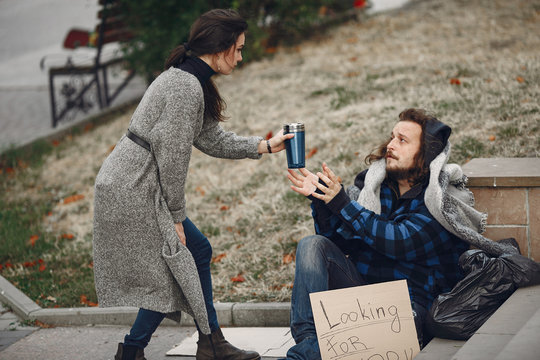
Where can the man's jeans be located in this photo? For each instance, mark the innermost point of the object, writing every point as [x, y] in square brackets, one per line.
[320, 266]
[147, 321]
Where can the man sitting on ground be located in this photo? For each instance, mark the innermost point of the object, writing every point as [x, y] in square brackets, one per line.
[390, 225]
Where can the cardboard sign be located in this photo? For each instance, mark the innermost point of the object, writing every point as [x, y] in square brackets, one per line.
[369, 322]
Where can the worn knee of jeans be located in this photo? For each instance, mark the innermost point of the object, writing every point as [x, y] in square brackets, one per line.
[309, 252]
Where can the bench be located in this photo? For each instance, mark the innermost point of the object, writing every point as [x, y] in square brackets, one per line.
[77, 78]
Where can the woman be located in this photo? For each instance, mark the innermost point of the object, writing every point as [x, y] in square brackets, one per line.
[147, 253]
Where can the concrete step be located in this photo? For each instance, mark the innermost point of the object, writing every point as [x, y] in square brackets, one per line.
[498, 331]
[524, 345]
[510, 333]
[440, 349]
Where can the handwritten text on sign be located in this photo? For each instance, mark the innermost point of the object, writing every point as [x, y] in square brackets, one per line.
[370, 322]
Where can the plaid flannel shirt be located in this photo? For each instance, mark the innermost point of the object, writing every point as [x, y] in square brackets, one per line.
[404, 241]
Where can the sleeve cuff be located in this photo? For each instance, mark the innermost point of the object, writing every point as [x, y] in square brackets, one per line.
[178, 216]
[339, 201]
[254, 154]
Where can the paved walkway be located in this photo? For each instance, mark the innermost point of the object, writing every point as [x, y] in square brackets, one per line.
[20, 342]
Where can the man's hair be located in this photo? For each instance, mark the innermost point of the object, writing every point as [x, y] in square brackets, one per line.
[420, 169]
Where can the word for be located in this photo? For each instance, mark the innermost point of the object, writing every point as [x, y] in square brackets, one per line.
[352, 346]
[366, 313]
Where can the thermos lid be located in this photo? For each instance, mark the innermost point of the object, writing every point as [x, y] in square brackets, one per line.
[294, 127]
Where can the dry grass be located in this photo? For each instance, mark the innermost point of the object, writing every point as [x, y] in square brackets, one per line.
[347, 86]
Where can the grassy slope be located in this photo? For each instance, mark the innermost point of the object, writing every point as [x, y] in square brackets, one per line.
[348, 87]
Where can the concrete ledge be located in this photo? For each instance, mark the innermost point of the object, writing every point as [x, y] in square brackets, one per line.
[261, 314]
[229, 314]
[21, 304]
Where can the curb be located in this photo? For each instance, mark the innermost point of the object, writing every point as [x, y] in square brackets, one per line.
[229, 314]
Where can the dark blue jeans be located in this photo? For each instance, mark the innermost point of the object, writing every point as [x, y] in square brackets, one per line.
[147, 321]
[320, 266]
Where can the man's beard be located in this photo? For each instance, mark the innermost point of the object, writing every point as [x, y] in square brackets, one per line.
[401, 174]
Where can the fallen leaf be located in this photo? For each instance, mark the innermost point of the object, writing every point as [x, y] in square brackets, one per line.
[42, 267]
[30, 263]
[288, 258]
[68, 236]
[1, 266]
[311, 153]
[112, 148]
[520, 79]
[323, 10]
[238, 278]
[10, 170]
[43, 325]
[200, 190]
[271, 50]
[33, 239]
[492, 138]
[41, 261]
[73, 198]
[224, 208]
[353, 59]
[218, 258]
[55, 143]
[455, 81]
[8, 265]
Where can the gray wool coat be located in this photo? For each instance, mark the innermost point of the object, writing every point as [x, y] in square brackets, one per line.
[139, 195]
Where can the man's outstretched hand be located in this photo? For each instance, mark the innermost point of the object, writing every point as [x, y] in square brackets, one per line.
[303, 181]
[333, 185]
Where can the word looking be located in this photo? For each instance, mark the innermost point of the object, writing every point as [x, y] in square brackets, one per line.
[366, 313]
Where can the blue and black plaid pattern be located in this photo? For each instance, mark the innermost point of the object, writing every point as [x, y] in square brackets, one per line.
[403, 242]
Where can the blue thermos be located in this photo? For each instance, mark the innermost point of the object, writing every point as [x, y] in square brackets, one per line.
[295, 147]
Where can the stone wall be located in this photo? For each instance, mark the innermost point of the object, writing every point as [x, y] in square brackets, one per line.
[508, 189]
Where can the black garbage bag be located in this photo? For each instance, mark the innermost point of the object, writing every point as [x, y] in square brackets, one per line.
[487, 284]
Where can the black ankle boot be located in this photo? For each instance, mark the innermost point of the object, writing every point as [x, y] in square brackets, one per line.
[215, 347]
[129, 353]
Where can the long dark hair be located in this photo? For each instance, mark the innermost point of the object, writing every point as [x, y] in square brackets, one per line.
[213, 32]
[420, 170]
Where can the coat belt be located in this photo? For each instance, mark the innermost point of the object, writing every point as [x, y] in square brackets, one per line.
[138, 140]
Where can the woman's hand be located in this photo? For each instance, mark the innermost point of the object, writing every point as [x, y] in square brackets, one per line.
[277, 143]
[303, 182]
[180, 232]
[333, 185]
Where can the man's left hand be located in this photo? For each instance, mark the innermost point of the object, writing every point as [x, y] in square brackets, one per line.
[333, 185]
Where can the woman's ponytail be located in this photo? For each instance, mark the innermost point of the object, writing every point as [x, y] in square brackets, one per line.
[177, 56]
